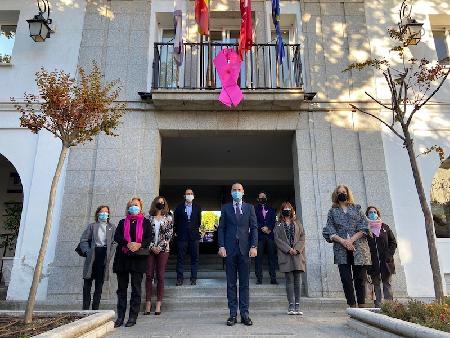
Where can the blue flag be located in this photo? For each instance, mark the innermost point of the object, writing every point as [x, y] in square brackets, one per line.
[276, 22]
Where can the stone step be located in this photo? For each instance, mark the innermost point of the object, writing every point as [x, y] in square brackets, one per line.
[206, 303]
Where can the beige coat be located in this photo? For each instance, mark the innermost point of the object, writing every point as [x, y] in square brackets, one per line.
[286, 261]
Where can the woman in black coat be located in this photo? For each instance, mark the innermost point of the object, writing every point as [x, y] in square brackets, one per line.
[382, 246]
[133, 236]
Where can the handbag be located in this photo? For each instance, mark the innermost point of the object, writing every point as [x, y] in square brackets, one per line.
[370, 289]
[140, 252]
[79, 251]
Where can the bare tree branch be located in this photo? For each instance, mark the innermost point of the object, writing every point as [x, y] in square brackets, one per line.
[378, 101]
[377, 118]
[417, 107]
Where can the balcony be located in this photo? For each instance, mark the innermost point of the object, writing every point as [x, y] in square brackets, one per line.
[266, 84]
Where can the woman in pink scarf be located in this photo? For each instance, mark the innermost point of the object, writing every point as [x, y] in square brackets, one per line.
[382, 246]
[133, 236]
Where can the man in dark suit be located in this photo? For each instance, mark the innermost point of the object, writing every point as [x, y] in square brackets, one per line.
[265, 216]
[187, 220]
[238, 239]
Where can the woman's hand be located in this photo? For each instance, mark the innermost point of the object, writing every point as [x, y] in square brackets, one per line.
[348, 244]
[292, 251]
[156, 250]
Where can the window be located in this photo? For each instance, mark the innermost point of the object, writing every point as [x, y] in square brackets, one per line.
[8, 27]
[442, 44]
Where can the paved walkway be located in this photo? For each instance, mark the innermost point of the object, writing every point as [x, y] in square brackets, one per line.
[266, 324]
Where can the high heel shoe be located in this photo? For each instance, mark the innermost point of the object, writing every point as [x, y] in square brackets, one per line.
[146, 313]
[157, 313]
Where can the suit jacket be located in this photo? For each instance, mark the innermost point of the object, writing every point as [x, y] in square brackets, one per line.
[269, 221]
[286, 261]
[87, 245]
[238, 233]
[183, 229]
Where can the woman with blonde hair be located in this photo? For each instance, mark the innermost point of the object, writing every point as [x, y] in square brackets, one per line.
[161, 224]
[290, 241]
[133, 235]
[347, 229]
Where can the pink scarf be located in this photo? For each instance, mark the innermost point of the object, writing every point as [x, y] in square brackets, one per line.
[375, 227]
[139, 229]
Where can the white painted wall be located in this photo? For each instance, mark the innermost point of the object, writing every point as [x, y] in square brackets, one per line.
[35, 156]
[432, 126]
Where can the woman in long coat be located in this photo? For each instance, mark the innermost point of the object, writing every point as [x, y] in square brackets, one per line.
[97, 245]
[290, 241]
[382, 245]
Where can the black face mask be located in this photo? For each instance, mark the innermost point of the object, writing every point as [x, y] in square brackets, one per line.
[262, 200]
[286, 212]
[160, 206]
[342, 197]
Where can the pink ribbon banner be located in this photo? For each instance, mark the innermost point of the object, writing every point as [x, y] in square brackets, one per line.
[228, 66]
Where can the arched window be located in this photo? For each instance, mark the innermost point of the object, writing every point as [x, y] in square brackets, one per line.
[11, 199]
[440, 200]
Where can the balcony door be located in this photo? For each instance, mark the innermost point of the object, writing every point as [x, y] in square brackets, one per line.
[223, 39]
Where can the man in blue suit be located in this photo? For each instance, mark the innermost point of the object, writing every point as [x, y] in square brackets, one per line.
[187, 220]
[238, 240]
[266, 217]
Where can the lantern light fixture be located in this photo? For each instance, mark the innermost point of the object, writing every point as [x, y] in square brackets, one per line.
[410, 29]
[40, 24]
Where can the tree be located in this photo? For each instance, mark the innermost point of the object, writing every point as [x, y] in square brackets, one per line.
[412, 83]
[75, 111]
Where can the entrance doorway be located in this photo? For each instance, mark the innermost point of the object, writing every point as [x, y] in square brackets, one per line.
[11, 200]
[210, 162]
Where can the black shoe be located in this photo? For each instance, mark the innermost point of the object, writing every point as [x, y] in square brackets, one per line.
[118, 322]
[179, 282]
[273, 281]
[246, 321]
[130, 323]
[259, 281]
[231, 321]
[146, 313]
[193, 281]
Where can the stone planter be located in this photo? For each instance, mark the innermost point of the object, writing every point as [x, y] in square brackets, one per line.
[96, 324]
[373, 324]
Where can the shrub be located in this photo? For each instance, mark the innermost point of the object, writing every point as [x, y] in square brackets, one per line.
[435, 315]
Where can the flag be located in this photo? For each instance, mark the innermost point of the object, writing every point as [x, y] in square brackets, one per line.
[201, 16]
[276, 22]
[246, 35]
[178, 40]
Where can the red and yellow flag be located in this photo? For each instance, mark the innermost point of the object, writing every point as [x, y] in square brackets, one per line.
[201, 16]
[246, 36]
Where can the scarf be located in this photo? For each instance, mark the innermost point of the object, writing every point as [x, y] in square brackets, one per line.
[375, 227]
[139, 229]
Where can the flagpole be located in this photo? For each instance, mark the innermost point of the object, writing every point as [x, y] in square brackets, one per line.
[209, 74]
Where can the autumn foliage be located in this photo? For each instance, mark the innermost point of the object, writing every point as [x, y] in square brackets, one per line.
[74, 110]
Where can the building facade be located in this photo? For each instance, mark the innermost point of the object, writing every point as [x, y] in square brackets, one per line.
[175, 133]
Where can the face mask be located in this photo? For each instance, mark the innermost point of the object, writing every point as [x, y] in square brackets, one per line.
[134, 210]
[342, 197]
[103, 216]
[237, 195]
[263, 200]
[373, 216]
[189, 198]
[160, 205]
[286, 212]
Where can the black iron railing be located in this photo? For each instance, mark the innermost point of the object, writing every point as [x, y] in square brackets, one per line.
[259, 69]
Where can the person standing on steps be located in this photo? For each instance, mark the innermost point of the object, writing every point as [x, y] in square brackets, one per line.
[290, 241]
[238, 240]
[187, 220]
[97, 243]
[133, 235]
[265, 216]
